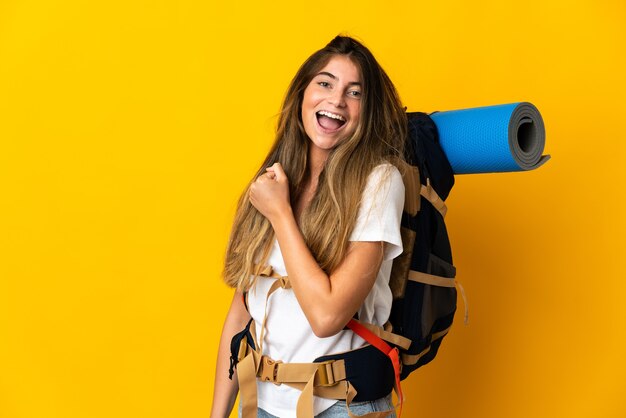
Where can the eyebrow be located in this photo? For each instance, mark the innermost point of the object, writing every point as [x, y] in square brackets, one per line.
[352, 83]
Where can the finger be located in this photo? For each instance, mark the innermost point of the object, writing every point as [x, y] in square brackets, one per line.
[264, 176]
[278, 169]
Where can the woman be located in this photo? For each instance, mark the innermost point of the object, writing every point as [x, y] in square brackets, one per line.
[323, 210]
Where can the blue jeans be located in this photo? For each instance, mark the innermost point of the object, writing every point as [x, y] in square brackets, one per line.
[338, 410]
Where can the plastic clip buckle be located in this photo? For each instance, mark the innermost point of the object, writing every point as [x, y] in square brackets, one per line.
[269, 370]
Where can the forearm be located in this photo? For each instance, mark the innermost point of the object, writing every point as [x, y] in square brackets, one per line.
[225, 390]
[328, 301]
[299, 262]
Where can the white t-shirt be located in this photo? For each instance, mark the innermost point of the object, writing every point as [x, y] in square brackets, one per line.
[288, 335]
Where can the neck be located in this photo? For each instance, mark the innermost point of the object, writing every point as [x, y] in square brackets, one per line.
[317, 159]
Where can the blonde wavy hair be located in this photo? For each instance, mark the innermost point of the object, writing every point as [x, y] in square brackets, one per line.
[327, 222]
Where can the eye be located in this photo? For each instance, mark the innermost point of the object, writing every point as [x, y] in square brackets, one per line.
[324, 83]
[354, 93]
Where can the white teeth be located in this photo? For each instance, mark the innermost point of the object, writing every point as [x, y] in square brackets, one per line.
[331, 115]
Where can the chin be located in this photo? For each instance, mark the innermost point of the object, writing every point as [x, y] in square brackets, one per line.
[325, 145]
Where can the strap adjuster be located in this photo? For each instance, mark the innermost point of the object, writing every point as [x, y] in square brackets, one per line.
[326, 374]
[269, 370]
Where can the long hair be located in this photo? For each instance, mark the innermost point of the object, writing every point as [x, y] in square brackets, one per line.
[328, 221]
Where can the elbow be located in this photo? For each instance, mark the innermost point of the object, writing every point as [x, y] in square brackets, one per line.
[326, 326]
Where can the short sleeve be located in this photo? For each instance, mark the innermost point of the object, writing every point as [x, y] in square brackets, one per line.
[380, 212]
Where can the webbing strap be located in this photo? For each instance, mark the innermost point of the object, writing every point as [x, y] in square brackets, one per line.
[304, 408]
[386, 335]
[268, 271]
[431, 195]
[246, 375]
[328, 372]
[412, 187]
[460, 286]
[410, 359]
[418, 276]
[392, 353]
[280, 282]
[351, 393]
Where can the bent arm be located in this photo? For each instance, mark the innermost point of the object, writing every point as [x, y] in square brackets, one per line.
[225, 390]
[328, 301]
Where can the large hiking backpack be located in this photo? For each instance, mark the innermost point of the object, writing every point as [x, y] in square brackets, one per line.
[423, 276]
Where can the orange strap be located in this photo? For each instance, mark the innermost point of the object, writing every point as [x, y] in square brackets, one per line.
[379, 343]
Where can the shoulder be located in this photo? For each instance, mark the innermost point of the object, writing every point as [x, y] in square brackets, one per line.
[384, 189]
[385, 176]
[380, 212]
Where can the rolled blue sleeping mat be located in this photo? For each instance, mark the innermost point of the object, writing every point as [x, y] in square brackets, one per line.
[506, 137]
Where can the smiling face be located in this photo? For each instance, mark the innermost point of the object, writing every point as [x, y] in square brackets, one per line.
[331, 106]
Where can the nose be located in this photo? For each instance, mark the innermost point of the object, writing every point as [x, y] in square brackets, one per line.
[337, 98]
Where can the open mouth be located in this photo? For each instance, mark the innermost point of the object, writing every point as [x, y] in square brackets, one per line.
[329, 121]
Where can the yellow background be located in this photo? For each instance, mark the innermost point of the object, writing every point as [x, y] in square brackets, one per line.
[129, 129]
